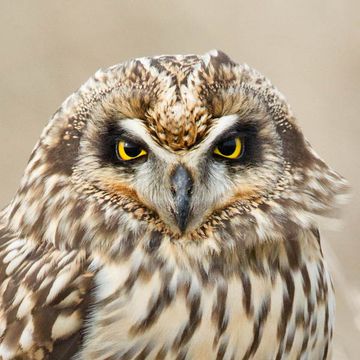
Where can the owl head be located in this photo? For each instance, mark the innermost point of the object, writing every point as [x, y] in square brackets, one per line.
[187, 146]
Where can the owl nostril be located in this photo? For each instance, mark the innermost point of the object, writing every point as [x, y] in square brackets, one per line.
[181, 182]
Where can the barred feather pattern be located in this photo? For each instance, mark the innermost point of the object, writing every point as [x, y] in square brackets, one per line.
[91, 266]
[277, 304]
[42, 297]
[159, 310]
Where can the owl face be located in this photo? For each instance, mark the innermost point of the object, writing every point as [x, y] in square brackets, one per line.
[238, 158]
[196, 147]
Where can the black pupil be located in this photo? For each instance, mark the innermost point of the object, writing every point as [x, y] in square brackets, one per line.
[131, 149]
[227, 147]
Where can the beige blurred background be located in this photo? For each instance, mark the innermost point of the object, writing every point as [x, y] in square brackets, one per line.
[310, 50]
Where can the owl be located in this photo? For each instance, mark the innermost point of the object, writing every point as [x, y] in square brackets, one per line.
[169, 211]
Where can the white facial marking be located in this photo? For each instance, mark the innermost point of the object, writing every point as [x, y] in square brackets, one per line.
[137, 128]
[219, 126]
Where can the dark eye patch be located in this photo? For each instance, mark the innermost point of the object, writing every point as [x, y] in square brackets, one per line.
[107, 144]
[248, 133]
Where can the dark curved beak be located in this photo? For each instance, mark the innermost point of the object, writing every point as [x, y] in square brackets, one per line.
[181, 187]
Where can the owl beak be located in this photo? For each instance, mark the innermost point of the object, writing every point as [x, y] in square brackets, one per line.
[181, 187]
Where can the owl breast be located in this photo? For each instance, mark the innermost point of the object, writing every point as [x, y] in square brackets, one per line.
[279, 309]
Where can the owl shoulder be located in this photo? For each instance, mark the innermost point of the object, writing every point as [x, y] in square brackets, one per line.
[44, 296]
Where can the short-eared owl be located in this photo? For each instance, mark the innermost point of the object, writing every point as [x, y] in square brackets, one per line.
[169, 212]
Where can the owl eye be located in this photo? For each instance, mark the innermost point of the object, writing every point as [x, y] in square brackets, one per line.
[232, 148]
[127, 150]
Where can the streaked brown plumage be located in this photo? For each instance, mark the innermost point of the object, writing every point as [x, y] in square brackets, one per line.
[179, 254]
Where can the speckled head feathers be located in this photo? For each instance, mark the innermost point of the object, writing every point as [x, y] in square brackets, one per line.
[178, 106]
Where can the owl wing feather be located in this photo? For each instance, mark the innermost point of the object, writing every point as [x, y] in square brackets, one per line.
[44, 293]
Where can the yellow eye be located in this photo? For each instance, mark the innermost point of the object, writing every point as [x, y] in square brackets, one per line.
[128, 150]
[230, 148]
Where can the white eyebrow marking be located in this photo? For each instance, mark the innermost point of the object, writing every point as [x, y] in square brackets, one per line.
[137, 128]
[219, 126]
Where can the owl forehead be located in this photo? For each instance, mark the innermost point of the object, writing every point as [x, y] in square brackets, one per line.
[176, 96]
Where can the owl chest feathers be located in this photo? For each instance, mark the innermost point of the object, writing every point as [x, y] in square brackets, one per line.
[273, 311]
